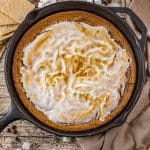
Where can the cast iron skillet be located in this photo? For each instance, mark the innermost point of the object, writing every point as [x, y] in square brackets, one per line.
[18, 111]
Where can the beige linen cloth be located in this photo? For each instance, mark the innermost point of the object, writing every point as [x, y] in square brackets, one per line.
[134, 134]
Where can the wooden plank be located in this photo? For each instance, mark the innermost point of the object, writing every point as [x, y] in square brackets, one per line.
[37, 143]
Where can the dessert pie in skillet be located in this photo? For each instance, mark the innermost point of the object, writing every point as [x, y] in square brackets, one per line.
[74, 71]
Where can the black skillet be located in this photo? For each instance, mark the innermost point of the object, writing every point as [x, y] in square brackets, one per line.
[18, 111]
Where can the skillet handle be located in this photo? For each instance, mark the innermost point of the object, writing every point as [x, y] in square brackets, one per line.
[137, 22]
[12, 115]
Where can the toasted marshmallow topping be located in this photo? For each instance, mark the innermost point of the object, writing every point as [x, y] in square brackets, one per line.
[74, 72]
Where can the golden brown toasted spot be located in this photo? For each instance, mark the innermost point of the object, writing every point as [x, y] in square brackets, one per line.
[36, 51]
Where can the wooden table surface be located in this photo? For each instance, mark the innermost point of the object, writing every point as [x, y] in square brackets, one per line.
[17, 133]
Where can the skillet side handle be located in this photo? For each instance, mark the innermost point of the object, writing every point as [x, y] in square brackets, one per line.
[137, 22]
[12, 115]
